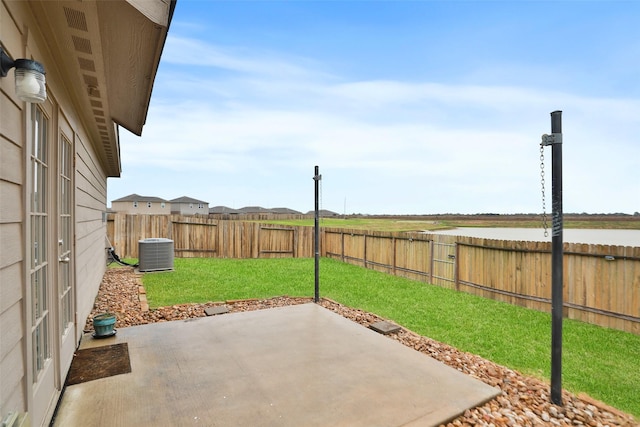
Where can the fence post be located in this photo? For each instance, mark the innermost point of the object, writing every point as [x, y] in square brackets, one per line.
[395, 250]
[456, 266]
[555, 140]
[364, 249]
[431, 261]
[317, 177]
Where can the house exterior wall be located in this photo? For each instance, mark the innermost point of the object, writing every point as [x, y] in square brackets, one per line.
[191, 208]
[89, 184]
[91, 227]
[13, 370]
[12, 180]
[55, 158]
[143, 207]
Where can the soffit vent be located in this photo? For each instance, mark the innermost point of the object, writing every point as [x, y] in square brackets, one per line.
[87, 64]
[75, 19]
[90, 80]
[81, 44]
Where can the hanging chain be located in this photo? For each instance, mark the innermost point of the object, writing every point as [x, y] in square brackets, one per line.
[545, 225]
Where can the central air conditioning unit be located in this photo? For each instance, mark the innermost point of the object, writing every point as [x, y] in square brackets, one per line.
[155, 254]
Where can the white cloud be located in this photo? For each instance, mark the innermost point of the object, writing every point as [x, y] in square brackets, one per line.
[196, 53]
[460, 147]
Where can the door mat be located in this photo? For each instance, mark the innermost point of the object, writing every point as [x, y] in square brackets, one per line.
[99, 362]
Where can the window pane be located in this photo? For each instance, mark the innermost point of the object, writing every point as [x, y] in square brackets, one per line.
[35, 293]
[38, 227]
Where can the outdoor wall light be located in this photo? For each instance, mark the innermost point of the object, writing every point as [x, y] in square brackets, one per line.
[30, 82]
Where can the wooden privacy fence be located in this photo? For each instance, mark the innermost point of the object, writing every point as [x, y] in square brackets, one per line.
[395, 253]
[601, 283]
[195, 237]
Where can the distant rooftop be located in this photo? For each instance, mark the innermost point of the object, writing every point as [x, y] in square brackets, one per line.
[324, 213]
[285, 211]
[254, 209]
[223, 210]
[185, 199]
[138, 198]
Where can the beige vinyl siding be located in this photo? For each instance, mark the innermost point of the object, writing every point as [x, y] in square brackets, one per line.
[143, 208]
[12, 176]
[190, 208]
[11, 278]
[12, 388]
[90, 203]
[90, 199]
[155, 208]
[41, 30]
[12, 370]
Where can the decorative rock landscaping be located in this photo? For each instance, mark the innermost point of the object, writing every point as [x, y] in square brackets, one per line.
[524, 401]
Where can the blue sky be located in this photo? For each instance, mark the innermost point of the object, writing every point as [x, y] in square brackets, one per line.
[407, 107]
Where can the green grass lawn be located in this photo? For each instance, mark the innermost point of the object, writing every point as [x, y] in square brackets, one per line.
[370, 224]
[601, 362]
[408, 224]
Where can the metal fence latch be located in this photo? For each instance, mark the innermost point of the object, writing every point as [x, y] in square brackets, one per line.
[554, 138]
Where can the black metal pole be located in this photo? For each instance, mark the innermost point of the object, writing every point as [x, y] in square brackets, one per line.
[556, 259]
[317, 177]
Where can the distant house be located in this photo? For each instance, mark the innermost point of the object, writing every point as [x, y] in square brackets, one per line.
[324, 213]
[254, 210]
[223, 210]
[285, 211]
[188, 206]
[135, 204]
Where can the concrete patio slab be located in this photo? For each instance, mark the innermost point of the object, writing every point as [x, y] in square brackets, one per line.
[291, 366]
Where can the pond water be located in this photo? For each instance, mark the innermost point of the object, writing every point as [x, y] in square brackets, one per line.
[571, 235]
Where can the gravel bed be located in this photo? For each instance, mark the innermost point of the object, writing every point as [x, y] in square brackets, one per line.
[524, 401]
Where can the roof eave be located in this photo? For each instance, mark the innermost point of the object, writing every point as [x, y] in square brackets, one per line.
[107, 55]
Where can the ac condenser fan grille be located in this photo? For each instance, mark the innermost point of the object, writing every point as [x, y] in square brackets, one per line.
[155, 254]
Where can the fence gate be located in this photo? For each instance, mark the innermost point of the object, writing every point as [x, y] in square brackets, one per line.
[444, 261]
[276, 242]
